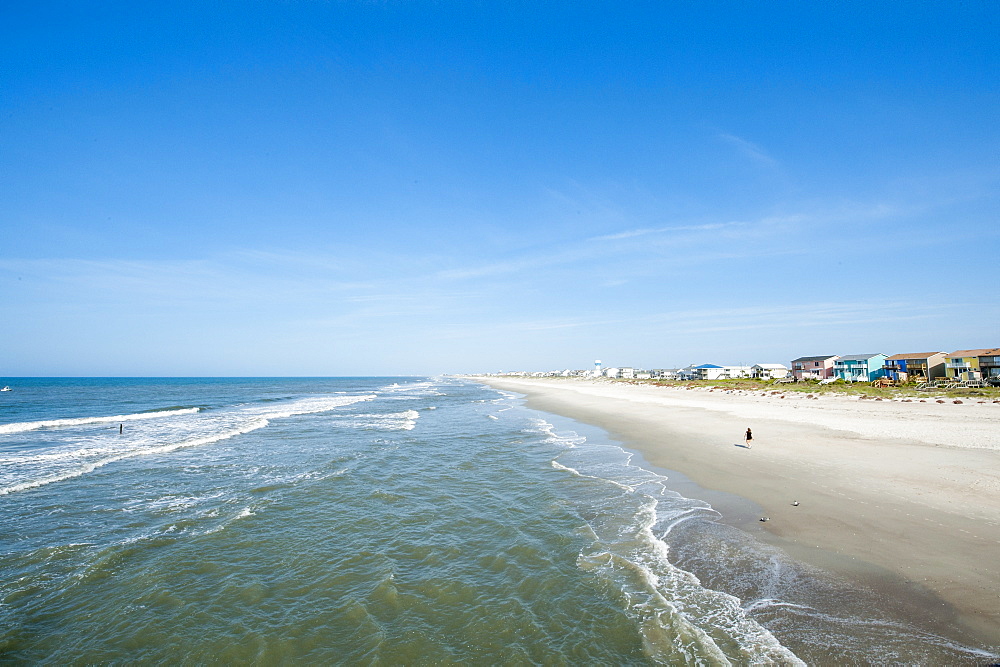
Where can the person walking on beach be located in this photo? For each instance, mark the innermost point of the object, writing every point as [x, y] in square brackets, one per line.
[749, 438]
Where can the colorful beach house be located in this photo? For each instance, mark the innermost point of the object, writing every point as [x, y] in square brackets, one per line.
[915, 366]
[814, 368]
[859, 367]
[973, 364]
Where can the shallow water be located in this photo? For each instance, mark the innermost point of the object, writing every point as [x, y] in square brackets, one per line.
[380, 521]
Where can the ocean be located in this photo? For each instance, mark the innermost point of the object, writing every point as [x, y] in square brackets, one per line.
[382, 521]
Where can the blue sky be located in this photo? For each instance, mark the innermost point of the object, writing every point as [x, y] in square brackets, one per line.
[342, 188]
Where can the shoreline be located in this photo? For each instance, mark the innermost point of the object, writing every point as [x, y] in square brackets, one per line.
[902, 497]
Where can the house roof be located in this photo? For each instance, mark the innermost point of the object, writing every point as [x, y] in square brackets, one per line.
[770, 366]
[708, 366]
[821, 358]
[858, 357]
[913, 355]
[985, 352]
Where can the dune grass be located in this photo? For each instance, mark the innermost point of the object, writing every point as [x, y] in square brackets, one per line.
[840, 387]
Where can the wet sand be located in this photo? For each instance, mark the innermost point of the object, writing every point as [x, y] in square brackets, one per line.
[902, 496]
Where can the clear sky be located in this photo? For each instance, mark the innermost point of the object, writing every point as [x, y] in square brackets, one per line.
[368, 188]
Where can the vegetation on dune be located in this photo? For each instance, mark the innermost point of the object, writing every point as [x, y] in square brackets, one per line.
[839, 387]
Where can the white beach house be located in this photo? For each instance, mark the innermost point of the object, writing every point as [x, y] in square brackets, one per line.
[769, 371]
[708, 372]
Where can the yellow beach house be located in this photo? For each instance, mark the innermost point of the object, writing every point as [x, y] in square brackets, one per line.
[973, 364]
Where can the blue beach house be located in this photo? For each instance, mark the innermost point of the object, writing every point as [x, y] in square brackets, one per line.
[915, 366]
[859, 367]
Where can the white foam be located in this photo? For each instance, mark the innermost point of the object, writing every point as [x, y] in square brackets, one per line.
[161, 449]
[21, 427]
[651, 583]
[390, 421]
[307, 406]
[679, 618]
[61, 455]
[417, 388]
[559, 466]
[570, 439]
[233, 424]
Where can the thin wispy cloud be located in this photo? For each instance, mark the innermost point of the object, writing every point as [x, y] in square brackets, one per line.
[173, 281]
[523, 264]
[632, 233]
[678, 324]
[748, 149]
[797, 314]
[588, 250]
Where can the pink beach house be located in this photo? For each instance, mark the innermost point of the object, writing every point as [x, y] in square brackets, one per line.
[814, 368]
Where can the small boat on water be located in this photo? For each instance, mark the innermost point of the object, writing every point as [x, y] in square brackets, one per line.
[6, 389]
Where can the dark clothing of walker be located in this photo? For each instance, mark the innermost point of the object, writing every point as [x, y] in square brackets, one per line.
[749, 438]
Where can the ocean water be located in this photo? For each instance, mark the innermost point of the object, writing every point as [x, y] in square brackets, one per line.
[382, 521]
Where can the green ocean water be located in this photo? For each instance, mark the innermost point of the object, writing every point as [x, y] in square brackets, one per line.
[380, 521]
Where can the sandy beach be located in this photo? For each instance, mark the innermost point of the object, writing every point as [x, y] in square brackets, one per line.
[902, 495]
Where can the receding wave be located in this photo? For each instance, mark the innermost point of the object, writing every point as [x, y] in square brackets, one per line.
[21, 427]
[681, 620]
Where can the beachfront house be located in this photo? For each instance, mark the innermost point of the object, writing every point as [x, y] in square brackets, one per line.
[989, 363]
[768, 371]
[687, 373]
[733, 372]
[611, 373]
[859, 367]
[664, 373]
[973, 364]
[915, 366]
[708, 372]
[963, 365]
[627, 373]
[814, 368]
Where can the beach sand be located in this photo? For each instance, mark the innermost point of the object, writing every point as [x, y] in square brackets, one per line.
[904, 496]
